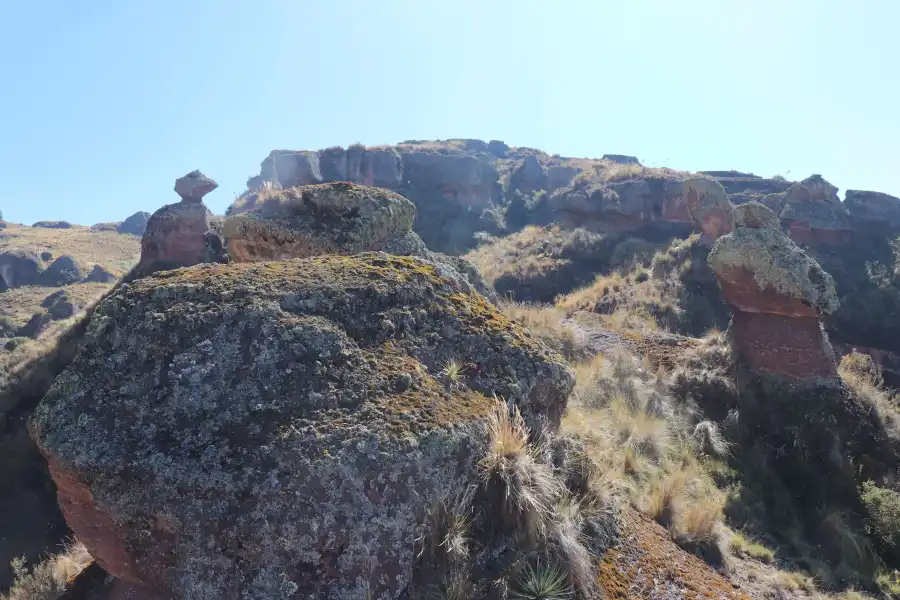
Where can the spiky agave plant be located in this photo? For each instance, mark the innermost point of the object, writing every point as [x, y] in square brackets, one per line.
[540, 582]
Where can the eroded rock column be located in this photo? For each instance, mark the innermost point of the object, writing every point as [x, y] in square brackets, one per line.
[778, 295]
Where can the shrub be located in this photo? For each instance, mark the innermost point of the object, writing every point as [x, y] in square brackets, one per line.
[48, 580]
[883, 506]
[741, 546]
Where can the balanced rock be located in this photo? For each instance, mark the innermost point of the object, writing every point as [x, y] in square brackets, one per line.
[708, 205]
[778, 294]
[193, 186]
[813, 213]
[265, 430]
[182, 234]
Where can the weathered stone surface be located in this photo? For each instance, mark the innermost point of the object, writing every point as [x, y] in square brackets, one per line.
[289, 168]
[65, 270]
[498, 148]
[193, 186]
[762, 270]
[559, 176]
[528, 176]
[708, 206]
[813, 213]
[465, 179]
[755, 216]
[775, 201]
[274, 429]
[332, 218]
[179, 235]
[778, 293]
[873, 208]
[746, 187]
[136, 224]
[621, 205]
[18, 268]
[366, 166]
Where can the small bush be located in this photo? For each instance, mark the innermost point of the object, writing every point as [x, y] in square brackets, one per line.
[540, 582]
[48, 580]
[883, 506]
[741, 546]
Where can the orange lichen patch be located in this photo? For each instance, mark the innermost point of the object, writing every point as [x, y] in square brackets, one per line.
[648, 564]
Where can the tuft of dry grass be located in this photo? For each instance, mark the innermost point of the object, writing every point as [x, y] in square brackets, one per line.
[547, 324]
[867, 386]
[740, 545]
[524, 489]
[115, 251]
[48, 580]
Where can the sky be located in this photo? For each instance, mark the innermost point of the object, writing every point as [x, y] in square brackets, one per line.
[103, 104]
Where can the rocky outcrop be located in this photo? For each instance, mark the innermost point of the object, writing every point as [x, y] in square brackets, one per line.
[622, 159]
[746, 187]
[18, 268]
[193, 186]
[778, 295]
[813, 213]
[332, 218]
[136, 224]
[282, 428]
[59, 305]
[181, 234]
[528, 176]
[65, 270]
[100, 274]
[873, 208]
[708, 206]
[623, 205]
[53, 224]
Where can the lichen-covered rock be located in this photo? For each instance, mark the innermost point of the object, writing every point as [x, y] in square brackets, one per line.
[179, 235]
[193, 186]
[762, 270]
[528, 176]
[813, 213]
[708, 205]
[274, 430]
[755, 216]
[332, 218]
[778, 294]
[59, 304]
[100, 274]
[873, 208]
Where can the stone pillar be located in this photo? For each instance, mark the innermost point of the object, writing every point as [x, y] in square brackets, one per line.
[778, 295]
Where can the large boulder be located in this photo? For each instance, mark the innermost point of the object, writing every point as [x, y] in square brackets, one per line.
[873, 208]
[708, 206]
[19, 268]
[59, 304]
[180, 235]
[136, 224]
[813, 213]
[267, 430]
[333, 218]
[65, 270]
[528, 176]
[778, 294]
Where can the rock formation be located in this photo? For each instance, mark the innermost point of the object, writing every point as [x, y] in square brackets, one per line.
[53, 224]
[622, 159]
[281, 428]
[746, 187]
[136, 224]
[873, 208]
[182, 234]
[193, 186]
[778, 295]
[813, 213]
[708, 206]
[18, 268]
[65, 270]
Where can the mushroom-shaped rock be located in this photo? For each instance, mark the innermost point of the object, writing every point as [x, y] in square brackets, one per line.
[708, 204]
[179, 235]
[778, 293]
[257, 430]
[331, 218]
[813, 213]
[193, 186]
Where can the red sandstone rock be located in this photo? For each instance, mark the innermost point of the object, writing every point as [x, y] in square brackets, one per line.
[179, 235]
[708, 206]
[813, 213]
[778, 293]
[794, 348]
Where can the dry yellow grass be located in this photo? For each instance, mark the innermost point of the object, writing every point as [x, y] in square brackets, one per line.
[19, 304]
[48, 580]
[115, 251]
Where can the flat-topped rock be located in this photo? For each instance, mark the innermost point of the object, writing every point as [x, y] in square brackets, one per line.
[877, 208]
[193, 186]
[813, 213]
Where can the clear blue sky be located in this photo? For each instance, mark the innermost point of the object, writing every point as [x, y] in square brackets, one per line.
[105, 102]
